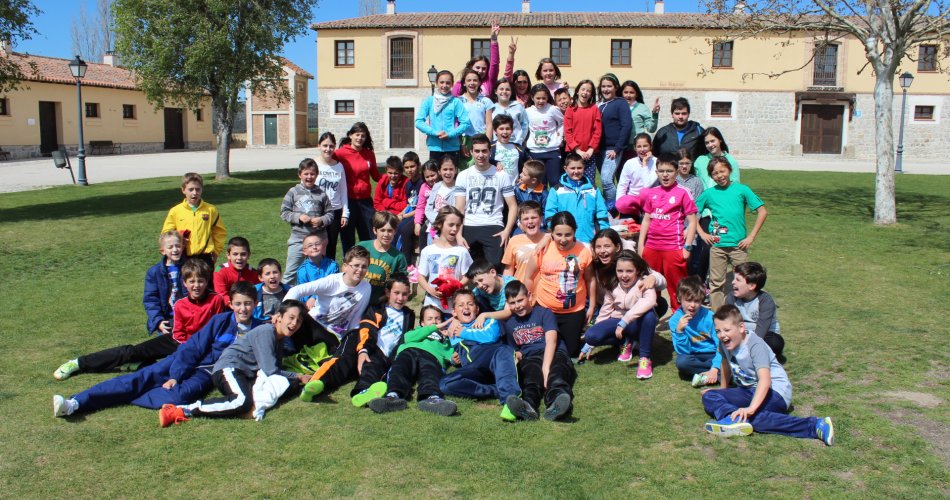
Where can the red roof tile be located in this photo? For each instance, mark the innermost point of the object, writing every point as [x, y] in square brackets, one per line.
[517, 19]
[56, 70]
[296, 69]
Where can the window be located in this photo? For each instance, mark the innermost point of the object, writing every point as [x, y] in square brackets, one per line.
[128, 111]
[927, 58]
[402, 128]
[199, 115]
[620, 52]
[561, 51]
[924, 113]
[400, 58]
[4, 106]
[720, 109]
[92, 110]
[722, 55]
[481, 47]
[345, 53]
[826, 65]
[347, 107]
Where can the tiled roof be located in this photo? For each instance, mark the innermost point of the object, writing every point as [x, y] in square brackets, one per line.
[517, 19]
[55, 70]
[296, 69]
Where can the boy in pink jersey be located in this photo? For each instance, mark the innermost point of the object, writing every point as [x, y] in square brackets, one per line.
[662, 241]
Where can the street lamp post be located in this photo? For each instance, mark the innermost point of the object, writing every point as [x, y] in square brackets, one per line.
[906, 79]
[78, 69]
[432, 73]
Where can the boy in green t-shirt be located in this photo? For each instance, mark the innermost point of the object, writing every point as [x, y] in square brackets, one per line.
[384, 260]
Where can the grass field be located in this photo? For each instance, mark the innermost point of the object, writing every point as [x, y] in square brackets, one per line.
[862, 309]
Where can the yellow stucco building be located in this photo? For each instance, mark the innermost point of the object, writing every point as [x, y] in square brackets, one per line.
[41, 115]
[374, 69]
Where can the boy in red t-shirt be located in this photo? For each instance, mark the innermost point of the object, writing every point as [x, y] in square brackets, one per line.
[235, 269]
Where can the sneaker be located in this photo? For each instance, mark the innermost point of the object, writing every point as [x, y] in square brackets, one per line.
[374, 391]
[559, 408]
[825, 430]
[387, 404]
[506, 414]
[66, 369]
[130, 367]
[727, 427]
[439, 406]
[311, 390]
[413, 273]
[520, 408]
[699, 380]
[626, 352]
[63, 407]
[171, 414]
[645, 369]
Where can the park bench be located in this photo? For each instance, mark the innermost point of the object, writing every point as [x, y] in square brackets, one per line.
[61, 160]
[110, 147]
[4, 155]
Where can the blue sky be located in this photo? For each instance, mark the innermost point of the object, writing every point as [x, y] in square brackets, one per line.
[55, 23]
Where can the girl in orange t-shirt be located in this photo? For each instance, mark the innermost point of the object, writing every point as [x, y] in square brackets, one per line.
[561, 279]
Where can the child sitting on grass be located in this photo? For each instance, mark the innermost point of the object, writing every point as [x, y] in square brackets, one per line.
[489, 287]
[759, 312]
[236, 268]
[316, 265]
[270, 291]
[544, 367]
[308, 210]
[197, 220]
[163, 284]
[236, 371]
[191, 313]
[421, 358]
[384, 259]
[694, 335]
[178, 379]
[763, 393]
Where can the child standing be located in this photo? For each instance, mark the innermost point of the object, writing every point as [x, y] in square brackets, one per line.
[544, 140]
[665, 209]
[421, 358]
[236, 268]
[507, 155]
[486, 68]
[441, 194]
[384, 260]
[615, 119]
[512, 108]
[577, 195]
[626, 316]
[442, 118]
[638, 173]
[270, 291]
[521, 248]
[430, 172]
[359, 162]
[694, 335]
[681, 132]
[163, 284]
[479, 109]
[727, 236]
[759, 312]
[530, 186]
[197, 220]
[548, 75]
[331, 178]
[445, 259]
[391, 189]
[544, 367]
[763, 394]
[406, 240]
[582, 128]
[642, 119]
[698, 263]
[306, 207]
[716, 146]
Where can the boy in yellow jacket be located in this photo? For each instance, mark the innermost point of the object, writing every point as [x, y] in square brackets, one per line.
[198, 221]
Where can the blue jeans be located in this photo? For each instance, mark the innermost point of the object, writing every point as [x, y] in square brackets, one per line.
[772, 417]
[695, 363]
[608, 168]
[488, 370]
[641, 330]
[552, 166]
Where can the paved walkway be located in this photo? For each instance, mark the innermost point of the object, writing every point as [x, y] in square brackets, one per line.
[25, 175]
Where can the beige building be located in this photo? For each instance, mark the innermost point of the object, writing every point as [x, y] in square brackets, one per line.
[41, 116]
[273, 122]
[374, 69]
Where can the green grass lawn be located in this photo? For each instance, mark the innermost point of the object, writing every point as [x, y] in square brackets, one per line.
[863, 310]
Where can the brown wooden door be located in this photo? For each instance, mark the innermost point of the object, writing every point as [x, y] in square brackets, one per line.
[174, 129]
[48, 129]
[401, 128]
[821, 128]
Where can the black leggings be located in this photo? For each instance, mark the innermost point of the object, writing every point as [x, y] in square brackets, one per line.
[570, 326]
[108, 360]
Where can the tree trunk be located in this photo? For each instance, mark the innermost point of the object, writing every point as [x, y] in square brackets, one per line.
[885, 211]
[222, 168]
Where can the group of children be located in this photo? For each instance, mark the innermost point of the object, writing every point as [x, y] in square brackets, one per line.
[516, 259]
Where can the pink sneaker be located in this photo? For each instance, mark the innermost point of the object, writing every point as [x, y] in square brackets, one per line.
[645, 370]
[626, 352]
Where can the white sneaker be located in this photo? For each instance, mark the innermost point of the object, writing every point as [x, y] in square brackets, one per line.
[63, 407]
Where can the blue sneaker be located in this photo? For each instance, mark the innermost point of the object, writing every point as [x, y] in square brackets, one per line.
[825, 430]
[727, 427]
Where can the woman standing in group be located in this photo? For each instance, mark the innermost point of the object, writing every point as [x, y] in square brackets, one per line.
[359, 162]
[616, 122]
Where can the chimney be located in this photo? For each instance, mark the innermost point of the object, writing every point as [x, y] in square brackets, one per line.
[390, 7]
[108, 58]
[739, 8]
[525, 6]
[658, 7]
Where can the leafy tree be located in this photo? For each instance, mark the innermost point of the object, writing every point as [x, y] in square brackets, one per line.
[182, 51]
[890, 32]
[15, 24]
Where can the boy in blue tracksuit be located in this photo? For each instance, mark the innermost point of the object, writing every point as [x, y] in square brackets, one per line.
[488, 366]
[180, 378]
[442, 118]
[577, 195]
[163, 284]
[694, 335]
